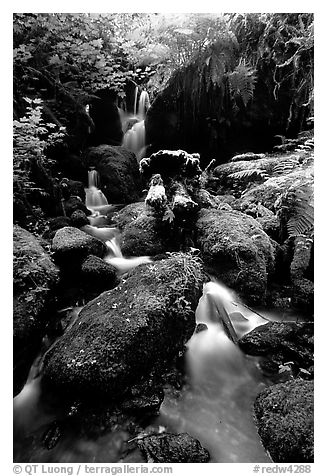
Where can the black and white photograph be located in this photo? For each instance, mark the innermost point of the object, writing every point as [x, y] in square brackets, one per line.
[163, 241]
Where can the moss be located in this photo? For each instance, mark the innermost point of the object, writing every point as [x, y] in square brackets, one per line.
[125, 334]
[237, 250]
[128, 214]
[284, 414]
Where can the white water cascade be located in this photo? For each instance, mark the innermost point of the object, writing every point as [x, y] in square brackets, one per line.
[215, 406]
[95, 199]
[134, 138]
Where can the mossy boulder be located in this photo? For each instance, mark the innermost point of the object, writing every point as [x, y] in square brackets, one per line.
[35, 277]
[145, 235]
[79, 219]
[55, 224]
[237, 250]
[75, 203]
[97, 274]
[119, 173]
[281, 343]
[127, 214]
[171, 448]
[71, 246]
[284, 414]
[129, 332]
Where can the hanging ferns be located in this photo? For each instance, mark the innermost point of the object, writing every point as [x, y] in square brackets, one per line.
[242, 82]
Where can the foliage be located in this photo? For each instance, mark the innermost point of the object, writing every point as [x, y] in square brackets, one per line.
[297, 207]
[249, 174]
[32, 137]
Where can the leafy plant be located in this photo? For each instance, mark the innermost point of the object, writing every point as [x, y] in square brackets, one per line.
[32, 136]
[249, 174]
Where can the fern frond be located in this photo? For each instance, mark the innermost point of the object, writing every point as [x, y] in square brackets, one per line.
[242, 82]
[302, 219]
[249, 174]
[286, 165]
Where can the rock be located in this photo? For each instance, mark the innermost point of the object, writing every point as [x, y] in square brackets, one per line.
[284, 414]
[73, 204]
[119, 174]
[281, 342]
[97, 274]
[79, 219]
[201, 327]
[301, 257]
[71, 245]
[128, 333]
[35, 277]
[303, 294]
[127, 214]
[144, 236]
[237, 251]
[170, 448]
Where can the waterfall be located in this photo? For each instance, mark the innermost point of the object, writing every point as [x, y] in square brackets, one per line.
[134, 137]
[95, 198]
[135, 99]
[116, 259]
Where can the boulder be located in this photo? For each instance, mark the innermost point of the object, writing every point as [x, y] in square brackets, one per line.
[35, 277]
[71, 245]
[237, 250]
[119, 173]
[55, 224]
[170, 448]
[171, 163]
[79, 219]
[144, 236]
[284, 414]
[97, 274]
[127, 214]
[280, 343]
[129, 332]
[73, 204]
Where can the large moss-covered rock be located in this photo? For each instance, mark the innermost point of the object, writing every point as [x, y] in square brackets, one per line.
[127, 214]
[130, 332]
[35, 277]
[97, 274]
[71, 245]
[237, 251]
[119, 174]
[284, 414]
[144, 236]
[280, 343]
[170, 448]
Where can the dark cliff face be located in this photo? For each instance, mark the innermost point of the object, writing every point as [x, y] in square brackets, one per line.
[207, 121]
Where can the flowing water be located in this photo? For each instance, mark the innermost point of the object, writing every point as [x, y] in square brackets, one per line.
[134, 137]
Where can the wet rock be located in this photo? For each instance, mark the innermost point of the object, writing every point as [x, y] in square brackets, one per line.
[201, 327]
[127, 214]
[119, 174]
[71, 245]
[97, 274]
[73, 204]
[281, 342]
[144, 236]
[35, 277]
[284, 414]
[128, 333]
[79, 219]
[170, 448]
[236, 250]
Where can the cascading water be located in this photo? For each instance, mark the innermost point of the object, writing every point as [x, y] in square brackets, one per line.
[95, 199]
[134, 138]
[215, 406]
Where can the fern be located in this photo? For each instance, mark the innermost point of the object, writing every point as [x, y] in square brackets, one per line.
[249, 174]
[299, 208]
[242, 82]
[286, 165]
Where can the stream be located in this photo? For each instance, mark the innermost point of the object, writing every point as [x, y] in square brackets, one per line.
[214, 405]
